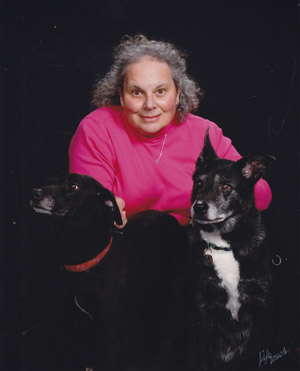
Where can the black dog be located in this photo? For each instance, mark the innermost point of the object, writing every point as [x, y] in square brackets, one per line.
[229, 261]
[126, 285]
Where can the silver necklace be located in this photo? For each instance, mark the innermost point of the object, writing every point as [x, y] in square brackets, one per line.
[162, 148]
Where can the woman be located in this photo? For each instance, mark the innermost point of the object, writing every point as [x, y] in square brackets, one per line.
[142, 142]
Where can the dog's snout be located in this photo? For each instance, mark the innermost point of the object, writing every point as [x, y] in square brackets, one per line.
[36, 194]
[200, 207]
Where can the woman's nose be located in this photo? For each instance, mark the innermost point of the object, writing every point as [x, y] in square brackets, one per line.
[149, 102]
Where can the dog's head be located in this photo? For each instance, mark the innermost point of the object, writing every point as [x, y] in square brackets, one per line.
[223, 190]
[77, 199]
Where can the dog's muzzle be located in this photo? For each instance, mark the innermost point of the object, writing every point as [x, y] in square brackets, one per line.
[40, 203]
[202, 213]
[200, 208]
[199, 211]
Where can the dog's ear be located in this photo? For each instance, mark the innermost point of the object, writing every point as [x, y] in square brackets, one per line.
[110, 201]
[208, 153]
[254, 166]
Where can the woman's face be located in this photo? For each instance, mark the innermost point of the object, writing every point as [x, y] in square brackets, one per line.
[149, 96]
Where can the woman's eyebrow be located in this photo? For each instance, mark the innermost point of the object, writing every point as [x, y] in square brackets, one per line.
[164, 84]
[133, 86]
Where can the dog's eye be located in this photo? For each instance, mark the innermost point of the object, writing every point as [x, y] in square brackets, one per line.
[226, 188]
[199, 184]
[74, 187]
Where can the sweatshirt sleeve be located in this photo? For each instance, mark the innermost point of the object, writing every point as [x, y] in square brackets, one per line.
[225, 149]
[222, 144]
[91, 152]
[262, 195]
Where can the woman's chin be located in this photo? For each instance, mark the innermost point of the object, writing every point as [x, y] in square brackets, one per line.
[150, 128]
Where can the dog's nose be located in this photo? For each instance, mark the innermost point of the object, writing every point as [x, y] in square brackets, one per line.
[36, 194]
[200, 207]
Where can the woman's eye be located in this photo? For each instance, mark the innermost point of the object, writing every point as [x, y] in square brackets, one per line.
[225, 188]
[160, 91]
[136, 93]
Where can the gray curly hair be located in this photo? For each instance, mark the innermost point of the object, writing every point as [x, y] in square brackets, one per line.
[131, 50]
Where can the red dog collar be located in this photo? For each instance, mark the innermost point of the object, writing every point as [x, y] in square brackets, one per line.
[89, 264]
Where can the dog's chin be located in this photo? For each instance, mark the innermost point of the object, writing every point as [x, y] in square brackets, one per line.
[218, 220]
[209, 221]
[41, 210]
[223, 224]
[61, 212]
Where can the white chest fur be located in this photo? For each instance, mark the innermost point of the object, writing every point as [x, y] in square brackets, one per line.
[227, 269]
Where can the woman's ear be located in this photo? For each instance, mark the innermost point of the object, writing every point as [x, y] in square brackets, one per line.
[178, 96]
[121, 96]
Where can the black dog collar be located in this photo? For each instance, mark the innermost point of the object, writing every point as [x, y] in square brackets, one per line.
[208, 259]
[215, 247]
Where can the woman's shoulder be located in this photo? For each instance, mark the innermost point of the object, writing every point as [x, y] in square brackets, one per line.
[199, 123]
[103, 115]
[102, 119]
[195, 127]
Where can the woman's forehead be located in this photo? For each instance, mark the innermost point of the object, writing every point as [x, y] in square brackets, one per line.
[148, 71]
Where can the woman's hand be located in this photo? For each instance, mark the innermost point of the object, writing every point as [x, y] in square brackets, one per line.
[121, 204]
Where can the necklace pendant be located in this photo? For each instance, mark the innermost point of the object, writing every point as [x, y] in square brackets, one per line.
[157, 161]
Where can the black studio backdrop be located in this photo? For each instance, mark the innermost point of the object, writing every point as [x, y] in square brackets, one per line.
[242, 53]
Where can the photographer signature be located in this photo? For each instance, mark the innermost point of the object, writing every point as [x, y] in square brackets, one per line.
[267, 355]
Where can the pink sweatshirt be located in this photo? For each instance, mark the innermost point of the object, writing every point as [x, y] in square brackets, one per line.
[106, 147]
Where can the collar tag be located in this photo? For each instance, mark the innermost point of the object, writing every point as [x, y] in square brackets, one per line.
[208, 261]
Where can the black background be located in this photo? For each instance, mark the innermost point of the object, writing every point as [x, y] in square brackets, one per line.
[242, 53]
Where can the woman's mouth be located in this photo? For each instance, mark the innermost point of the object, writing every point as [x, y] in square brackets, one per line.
[150, 118]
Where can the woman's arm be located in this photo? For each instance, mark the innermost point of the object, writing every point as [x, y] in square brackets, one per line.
[91, 152]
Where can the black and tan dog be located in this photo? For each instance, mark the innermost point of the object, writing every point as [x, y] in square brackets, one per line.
[126, 286]
[229, 261]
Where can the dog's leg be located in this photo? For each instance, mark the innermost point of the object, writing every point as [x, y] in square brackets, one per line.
[204, 340]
